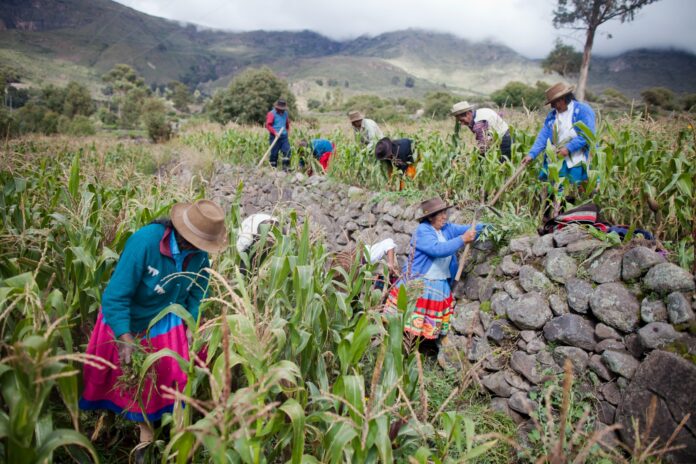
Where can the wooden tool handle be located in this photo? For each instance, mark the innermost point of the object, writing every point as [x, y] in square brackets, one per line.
[265, 155]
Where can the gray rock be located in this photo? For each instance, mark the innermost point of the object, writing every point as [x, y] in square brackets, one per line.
[453, 352]
[611, 393]
[579, 293]
[607, 268]
[479, 349]
[612, 304]
[678, 308]
[528, 335]
[534, 281]
[603, 331]
[587, 245]
[571, 329]
[547, 363]
[525, 365]
[638, 260]
[657, 334]
[500, 302]
[513, 288]
[471, 286]
[482, 269]
[634, 345]
[497, 384]
[501, 330]
[620, 362]
[653, 311]
[609, 344]
[486, 288]
[522, 244]
[465, 319]
[558, 304]
[608, 439]
[535, 346]
[500, 405]
[516, 381]
[395, 210]
[606, 412]
[486, 320]
[530, 311]
[577, 357]
[668, 278]
[354, 191]
[568, 235]
[671, 379]
[521, 403]
[559, 266]
[543, 245]
[509, 266]
[597, 366]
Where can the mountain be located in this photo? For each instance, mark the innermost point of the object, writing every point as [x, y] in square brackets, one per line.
[61, 40]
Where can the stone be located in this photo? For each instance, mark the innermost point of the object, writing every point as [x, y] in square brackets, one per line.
[587, 245]
[528, 335]
[559, 266]
[638, 260]
[542, 245]
[578, 357]
[608, 439]
[509, 266]
[606, 412]
[653, 311]
[500, 302]
[479, 349]
[497, 384]
[486, 288]
[611, 393]
[471, 286]
[499, 404]
[568, 235]
[482, 269]
[486, 320]
[501, 330]
[354, 191]
[609, 344]
[558, 304]
[513, 288]
[522, 345]
[603, 331]
[607, 268]
[525, 365]
[522, 244]
[465, 319]
[530, 311]
[668, 278]
[546, 363]
[634, 345]
[521, 403]
[671, 380]
[614, 305]
[597, 366]
[571, 329]
[535, 346]
[534, 281]
[678, 308]
[452, 352]
[620, 362]
[394, 209]
[516, 381]
[579, 293]
[657, 334]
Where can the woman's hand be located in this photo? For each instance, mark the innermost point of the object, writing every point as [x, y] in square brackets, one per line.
[563, 152]
[526, 160]
[125, 348]
[470, 235]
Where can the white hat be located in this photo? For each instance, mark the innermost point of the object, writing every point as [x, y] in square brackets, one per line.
[461, 107]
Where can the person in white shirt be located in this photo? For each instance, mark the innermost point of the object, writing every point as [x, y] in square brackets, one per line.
[484, 122]
[369, 131]
[249, 230]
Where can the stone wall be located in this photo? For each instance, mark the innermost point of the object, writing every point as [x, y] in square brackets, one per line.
[525, 309]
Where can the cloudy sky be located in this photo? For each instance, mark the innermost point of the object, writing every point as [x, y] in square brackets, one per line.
[524, 25]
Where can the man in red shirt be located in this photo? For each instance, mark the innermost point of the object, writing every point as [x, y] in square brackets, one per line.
[278, 121]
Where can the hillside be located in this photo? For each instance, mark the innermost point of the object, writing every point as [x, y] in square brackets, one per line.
[60, 40]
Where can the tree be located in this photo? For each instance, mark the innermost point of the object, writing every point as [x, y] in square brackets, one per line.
[588, 15]
[155, 120]
[180, 96]
[659, 97]
[78, 100]
[520, 94]
[439, 104]
[249, 97]
[563, 59]
[129, 90]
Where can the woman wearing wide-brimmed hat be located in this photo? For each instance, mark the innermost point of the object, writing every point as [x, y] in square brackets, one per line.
[278, 121]
[431, 268]
[562, 130]
[368, 130]
[162, 264]
[484, 122]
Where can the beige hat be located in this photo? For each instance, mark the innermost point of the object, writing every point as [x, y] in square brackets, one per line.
[461, 107]
[355, 116]
[202, 224]
[432, 206]
[557, 91]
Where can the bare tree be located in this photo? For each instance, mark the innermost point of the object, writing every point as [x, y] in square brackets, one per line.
[588, 15]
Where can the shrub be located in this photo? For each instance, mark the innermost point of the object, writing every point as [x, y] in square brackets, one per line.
[659, 97]
[79, 125]
[438, 104]
[155, 120]
[313, 104]
[8, 124]
[689, 102]
[520, 94]
[33, 117]
[410, 82]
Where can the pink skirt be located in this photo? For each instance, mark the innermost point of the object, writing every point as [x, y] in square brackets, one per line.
[101, 390]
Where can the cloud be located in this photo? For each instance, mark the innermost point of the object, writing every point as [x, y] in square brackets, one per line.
[524, 25]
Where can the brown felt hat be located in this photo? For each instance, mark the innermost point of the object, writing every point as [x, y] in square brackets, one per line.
[557, 91]
[281, 104]
[432, 206]
[355, 116]
[202, 224]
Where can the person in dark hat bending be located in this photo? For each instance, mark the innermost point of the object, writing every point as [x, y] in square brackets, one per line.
[278, 122]
[399, 153]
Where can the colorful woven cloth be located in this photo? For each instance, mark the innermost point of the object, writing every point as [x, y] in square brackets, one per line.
[430, 318]
[101, 385]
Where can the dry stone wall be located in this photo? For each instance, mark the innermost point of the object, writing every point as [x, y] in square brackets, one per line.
[623, 316]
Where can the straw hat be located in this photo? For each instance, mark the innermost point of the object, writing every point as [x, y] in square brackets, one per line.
[432, 206]
[355, 116]
[461, 107]
[202, 224]
[557, 91]
[281, 104]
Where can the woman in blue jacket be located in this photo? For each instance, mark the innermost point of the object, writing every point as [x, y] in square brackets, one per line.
[432, 265]
[561, 129]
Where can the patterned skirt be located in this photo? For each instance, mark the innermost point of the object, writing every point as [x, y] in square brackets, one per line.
[104, 390]
[430, 317]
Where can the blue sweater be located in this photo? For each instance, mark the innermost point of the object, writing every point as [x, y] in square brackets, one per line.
[429, 248]
[141, 286]
[582, 113]
[321, 146]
